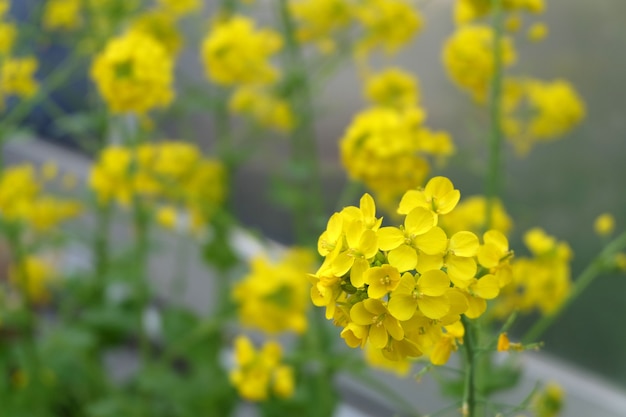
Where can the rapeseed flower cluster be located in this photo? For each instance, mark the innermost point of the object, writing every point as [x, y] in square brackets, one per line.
[540, 111]
[263, 107]
[386, 146]
[23, 201]
[532, 110]
[172, 173]
[541, 282]
[161, 25]
[321, 21]
[259, 375]
[134, 73]
[469, 59]
[236, 53]
[274, 296]
[403, 289]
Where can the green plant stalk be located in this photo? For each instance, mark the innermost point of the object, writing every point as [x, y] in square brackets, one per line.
[141, 225]
[495, 115]
[310, 207]
[101, 244]
[597, 266]
[469, 386]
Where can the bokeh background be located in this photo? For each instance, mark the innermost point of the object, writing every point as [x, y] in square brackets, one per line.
[560, 186]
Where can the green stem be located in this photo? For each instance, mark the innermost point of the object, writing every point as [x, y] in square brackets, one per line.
[597, 266]
[469, 386]
[310, 208]
[495, 114]
[101, 243]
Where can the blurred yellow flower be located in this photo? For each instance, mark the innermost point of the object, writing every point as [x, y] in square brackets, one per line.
[160, 25]
[537, 32]
[549, 402]
[234, 52]
[392, 87]
[17, 77]
[180, 7]
[319, 20]
[134, 73]
[264, 108]
[8, 33]
[466, 11]
[604, 224]
[259, 374]
[34, 277]
[469, 58]
[62, 14]
[471, 213]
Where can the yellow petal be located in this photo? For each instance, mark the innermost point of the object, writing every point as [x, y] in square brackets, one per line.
[410, 200]
[475, 307]
[360, 315]
[487, 287]
[434, 307]
[441, 351]
[368, 207]
[427, 262]
[378, 336]
[489, 255]
[432, 242]
[496, 238]
[341, 264]
[357, 274]
[393, 327]
[404, 258]
[419, 221]
[463, 244]
[433, 283]
[390, 238]
[461, 270]
[368, 244]
[402, 306]
[447, 202]
[438, 187]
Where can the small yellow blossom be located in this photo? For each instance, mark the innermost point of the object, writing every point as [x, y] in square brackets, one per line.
[263, 107]
[258, 374]
[471, 213]
[604, 224]
[62, 14]
[33, 276]
[387, 24]
[466, 11]
[537, 32]
[319, 20]
[513, 23]
[134, 73]
[469, 59]
[504, 344]
[160, 25]
[8, 33]
[49, 170]
[235, 52]
[273, 296]
[620, 261]
[167, 217]
[392, 88]
[550, 401]
[17, 77]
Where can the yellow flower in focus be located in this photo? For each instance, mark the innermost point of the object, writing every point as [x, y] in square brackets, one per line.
[319, 20]
[392, 88]
[8, 33]
[273, 297]
[264, 108]
[33, 276]
[387, 24]
[504, 344]
[234, 52]
[439, 196]
[161, 26]
[180, 7]
[134, 73]
[537, 32]
[469, 61]
[17, 77]
[258, 374]
[62, 14]
[604, 224]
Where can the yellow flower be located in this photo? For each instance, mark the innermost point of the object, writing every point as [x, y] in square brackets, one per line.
[504, 344]
[466, 11]
[604, 224]
[319, 20]
[470, 214]
[62, 14]
[34, 277]
[258, 374]
[537, 32]
[387, 24]
[180, 7]
[264, 108]
[8, 33]
[485, 288]
[167, 217]
[234, 52]
[439, 196]
[5, 5]
[17, 77]
[392, 88]
[469, 59]
[555, 108]
[134, 73]
[161, 26]
[373, 314]
[381, 280]
[273, 297]
[376, 359]
[549, 402]
[426, 294]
